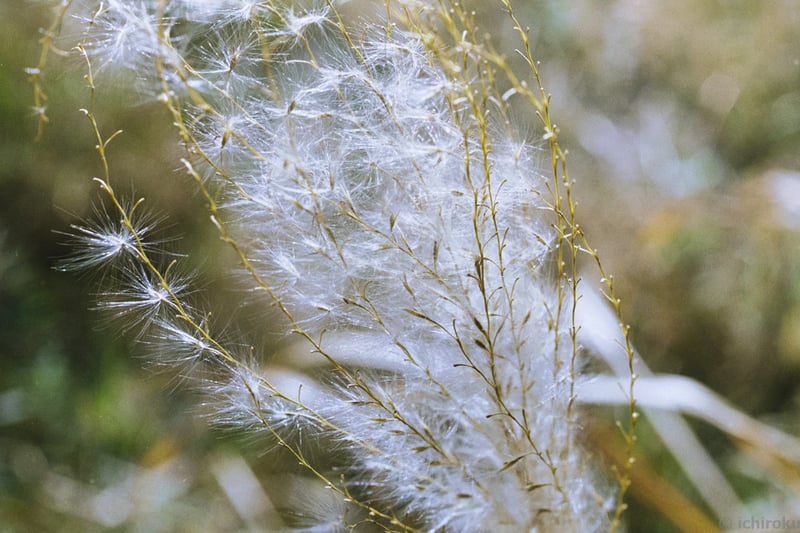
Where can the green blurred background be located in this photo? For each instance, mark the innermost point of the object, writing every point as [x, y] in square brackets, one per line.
[682, 119]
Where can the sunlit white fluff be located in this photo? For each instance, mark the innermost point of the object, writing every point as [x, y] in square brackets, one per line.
[405, 240]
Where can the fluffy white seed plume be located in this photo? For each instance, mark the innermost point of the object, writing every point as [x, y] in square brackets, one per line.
[368, 181]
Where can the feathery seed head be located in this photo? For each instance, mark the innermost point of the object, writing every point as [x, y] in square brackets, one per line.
[372, 197]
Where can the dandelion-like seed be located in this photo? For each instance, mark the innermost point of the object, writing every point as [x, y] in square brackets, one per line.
[97, 246]
[109, 237]
[142, 298]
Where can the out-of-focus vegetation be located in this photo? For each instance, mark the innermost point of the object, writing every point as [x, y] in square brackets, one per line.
[683, 124]
[89, 440]
[684, 120]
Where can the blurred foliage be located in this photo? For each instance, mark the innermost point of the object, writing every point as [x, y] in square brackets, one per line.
[88, 440]
[683, 123]
[733, 260]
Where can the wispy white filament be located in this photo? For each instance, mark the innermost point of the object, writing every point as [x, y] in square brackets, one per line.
[368, 180]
